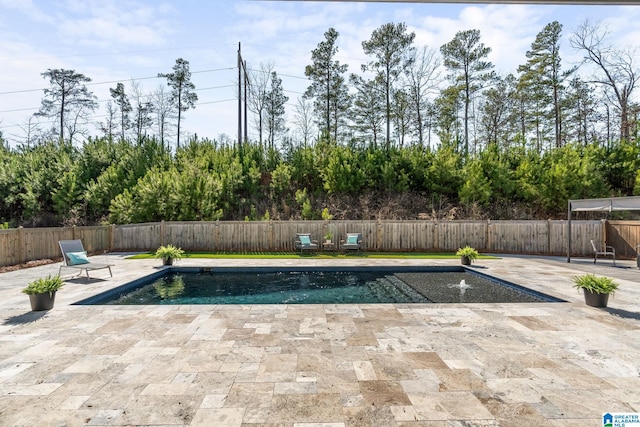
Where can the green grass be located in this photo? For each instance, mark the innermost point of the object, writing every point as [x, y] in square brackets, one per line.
[320, 255]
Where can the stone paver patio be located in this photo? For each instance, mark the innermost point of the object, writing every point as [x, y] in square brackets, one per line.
[536, 364]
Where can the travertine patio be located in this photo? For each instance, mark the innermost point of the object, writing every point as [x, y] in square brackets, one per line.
[538, 364]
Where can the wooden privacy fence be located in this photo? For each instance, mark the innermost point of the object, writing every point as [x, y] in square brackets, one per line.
[525, 237]
[518, 237]
[28, 244]
[624, 236]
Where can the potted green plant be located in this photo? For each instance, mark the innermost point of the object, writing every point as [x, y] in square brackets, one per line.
[328, 237]
[596, 289]
[42, 292]
[169, 253]
[467, 255]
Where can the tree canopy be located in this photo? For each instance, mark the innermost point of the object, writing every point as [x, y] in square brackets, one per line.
[68, 99]
[393, 141]
[182, 90]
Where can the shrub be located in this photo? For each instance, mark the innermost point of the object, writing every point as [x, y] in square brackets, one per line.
[43, 285]
[169, 251]
[595, 284]
[469, 252]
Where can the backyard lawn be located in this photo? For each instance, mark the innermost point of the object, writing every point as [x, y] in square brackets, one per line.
[320, 255]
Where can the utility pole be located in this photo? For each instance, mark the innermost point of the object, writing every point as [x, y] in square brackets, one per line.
[242, 66]
[246, 84]
[239, 97]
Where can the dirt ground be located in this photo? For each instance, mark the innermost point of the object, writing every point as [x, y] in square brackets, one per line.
[28, 264]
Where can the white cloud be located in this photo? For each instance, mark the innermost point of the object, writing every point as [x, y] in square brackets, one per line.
[26, 7]
[107, 23]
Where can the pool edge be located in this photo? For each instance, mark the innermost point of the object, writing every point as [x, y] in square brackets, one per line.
[119, 290]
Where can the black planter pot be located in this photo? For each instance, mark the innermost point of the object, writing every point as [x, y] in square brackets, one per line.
[595, 300]
[167, 261]
[465, 260]
[41, 302]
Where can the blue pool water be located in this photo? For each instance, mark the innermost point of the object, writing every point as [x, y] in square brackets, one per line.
[315, 286]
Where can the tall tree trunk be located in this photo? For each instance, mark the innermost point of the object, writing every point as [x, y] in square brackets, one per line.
[179, 116]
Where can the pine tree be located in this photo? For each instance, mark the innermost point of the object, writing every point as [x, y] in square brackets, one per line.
[182, 95]
[328, 88]
[392, 48]
[498, 118]
[68, 99]
[274, 109]
[543, 73]
[465, 57]
[368, 110]
[123, 103]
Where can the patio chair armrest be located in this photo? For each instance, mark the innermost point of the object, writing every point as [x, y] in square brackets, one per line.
[610, 249]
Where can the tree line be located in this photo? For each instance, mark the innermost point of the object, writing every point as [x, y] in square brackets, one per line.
[435, 124]
[130, 114]
[404, 94]
[410, 95]
[119, 181]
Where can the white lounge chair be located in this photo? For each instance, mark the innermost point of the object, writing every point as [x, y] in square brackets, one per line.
[74, 256]
[608, 250]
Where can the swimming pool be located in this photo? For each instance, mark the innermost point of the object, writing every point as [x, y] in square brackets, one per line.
[317, 285]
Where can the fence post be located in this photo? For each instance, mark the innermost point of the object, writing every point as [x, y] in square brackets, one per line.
[163, 230]
[488, 237]
[271, 244]
[217, 235]
[549, 237]
[22, 245]
[112, 237]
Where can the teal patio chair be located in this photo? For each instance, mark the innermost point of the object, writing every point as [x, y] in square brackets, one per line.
[353, 242]
[303, 242]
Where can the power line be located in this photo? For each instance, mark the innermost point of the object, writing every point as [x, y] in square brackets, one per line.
[213, 87]
[145, 96]
[294, 77]
[126, 52]
[107, 100]
[97, 116]
[216, 102]
[284, 75]
[119, 81]
[212, 70]
[19, 109]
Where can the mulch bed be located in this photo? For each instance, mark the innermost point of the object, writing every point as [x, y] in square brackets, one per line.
[29, 264]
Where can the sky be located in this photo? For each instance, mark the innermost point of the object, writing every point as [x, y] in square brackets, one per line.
[113, 41]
